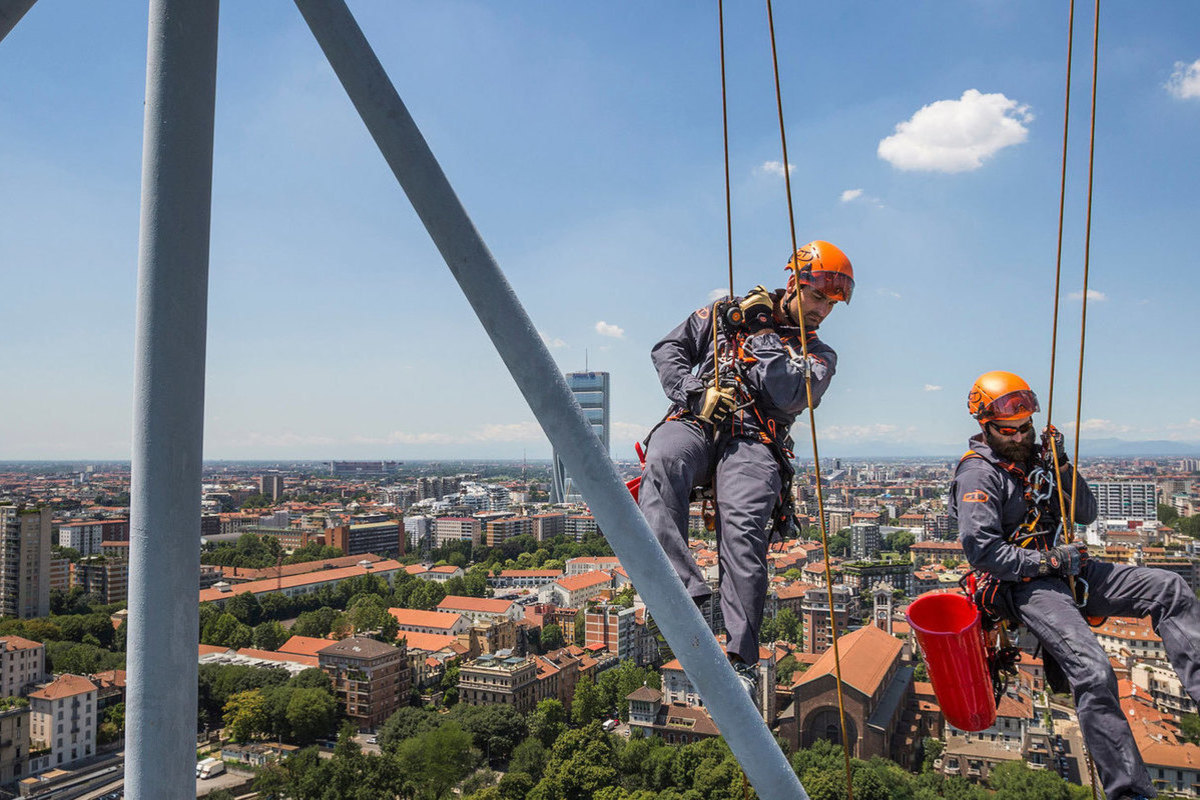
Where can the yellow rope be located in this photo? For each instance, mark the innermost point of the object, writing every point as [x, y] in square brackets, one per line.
[833, 633]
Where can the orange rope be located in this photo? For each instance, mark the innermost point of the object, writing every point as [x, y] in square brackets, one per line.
[833, 634]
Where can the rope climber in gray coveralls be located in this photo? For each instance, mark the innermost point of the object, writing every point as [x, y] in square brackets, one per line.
[988, 499]
[734, 432]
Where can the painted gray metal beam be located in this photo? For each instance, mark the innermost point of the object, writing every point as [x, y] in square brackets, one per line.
[11, 12]
[168, 416]
[545, 389]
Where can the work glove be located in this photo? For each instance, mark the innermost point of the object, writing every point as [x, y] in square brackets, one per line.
[716, 405]
[1066, 559]
[1053, 438]
[758, 309]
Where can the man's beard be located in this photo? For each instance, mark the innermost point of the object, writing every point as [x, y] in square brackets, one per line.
[1018, 452]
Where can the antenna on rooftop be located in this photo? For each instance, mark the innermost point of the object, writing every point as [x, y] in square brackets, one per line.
[585, 363]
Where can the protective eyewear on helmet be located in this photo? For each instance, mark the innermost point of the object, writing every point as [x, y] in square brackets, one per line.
[1010, 430]
[834, 285]
[1021, 403]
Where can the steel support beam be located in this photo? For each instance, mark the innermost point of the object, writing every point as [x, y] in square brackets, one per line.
[545, 389]
[168, 416]
[11, 12]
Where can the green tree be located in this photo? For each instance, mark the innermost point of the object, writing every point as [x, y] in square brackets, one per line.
[406, 723]
[580, 626]
[1167, 514]
[530, 757]
[552, 637]
[311, 714]
[581, 764]
[588, 703]
[245, 607]
[548, 720]
[495, 730]
[900, 542]
[435, 761]
[245, 715]
[1014, 780]
[269, 635]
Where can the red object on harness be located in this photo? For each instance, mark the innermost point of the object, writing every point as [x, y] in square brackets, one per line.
[950, 635]
[635, 483]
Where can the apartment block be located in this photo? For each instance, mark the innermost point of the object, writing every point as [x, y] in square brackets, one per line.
[371, 679]
[62, 722]
[24, 561]
[22, 664]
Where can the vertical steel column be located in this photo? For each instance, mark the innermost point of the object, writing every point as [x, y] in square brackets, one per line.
[168, 416]
[546, 391]
[11, 12]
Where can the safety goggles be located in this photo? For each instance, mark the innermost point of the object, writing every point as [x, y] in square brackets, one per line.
[1010, 430]
[1021, 403]
[834, 285]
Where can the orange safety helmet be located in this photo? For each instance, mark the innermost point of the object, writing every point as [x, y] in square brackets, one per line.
[1000, 395]
[824, 267]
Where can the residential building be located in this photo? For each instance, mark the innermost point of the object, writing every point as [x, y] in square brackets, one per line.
[523, 578]
[580, 526]
[591, 390]
[582, 564]
[677, 688]
[1125, 499]
[497, 531]
[371, 679]
[304, 583]
[457, 529]
[1130, 639]
[420, 532]
[385, 538]
[14, 740]
[499, 679]
[675, 723]
[60, 574]
[814, 615]
[63, 722]
[864, 540]
[106, 578]
[480, 609]
[615, 629]
[1163, 686]
[576, 590]
[435, 622]
[547, 526]
[24, 561]
[270, 486]
[22, 664]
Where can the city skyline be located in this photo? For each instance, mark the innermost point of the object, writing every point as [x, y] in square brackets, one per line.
[336, 331]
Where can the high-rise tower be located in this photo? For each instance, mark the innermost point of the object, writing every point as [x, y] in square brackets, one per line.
[24, 562]
[591, 390]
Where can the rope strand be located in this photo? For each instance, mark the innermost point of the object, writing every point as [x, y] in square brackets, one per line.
[833, 633]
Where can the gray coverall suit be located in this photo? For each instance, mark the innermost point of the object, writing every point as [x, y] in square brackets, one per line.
[988, 503]
[683, 454]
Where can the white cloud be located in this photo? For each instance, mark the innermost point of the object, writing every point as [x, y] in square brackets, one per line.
[888, 292]
[1105, 427]
[553, 342]
[773, 168]
[857, 432]
[605, 329]
[506, 432]
[1184, 82]
[717, 294]
[629, 431]
[1093, 296]
[1188, 431]
[851, 194]
[929, 387]
[957, 135]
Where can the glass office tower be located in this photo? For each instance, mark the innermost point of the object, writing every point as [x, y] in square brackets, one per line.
[591, 390]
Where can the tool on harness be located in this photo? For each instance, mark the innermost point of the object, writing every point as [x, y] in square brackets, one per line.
[754, 312]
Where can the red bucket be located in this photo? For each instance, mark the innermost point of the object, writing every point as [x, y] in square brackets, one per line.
[633, 485]
[951, 639]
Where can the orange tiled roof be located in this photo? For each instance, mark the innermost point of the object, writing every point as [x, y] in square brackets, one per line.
[483, 604]
[866, 656]
[18, 643]
[292, 581]
[576, 582]
[303, 645]
[428, 642]
[444, 620]
[269, 655]
[64, 686]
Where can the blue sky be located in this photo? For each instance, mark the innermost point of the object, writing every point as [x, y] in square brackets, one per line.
[585, 142]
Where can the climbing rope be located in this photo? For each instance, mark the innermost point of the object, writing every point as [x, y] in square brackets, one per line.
[812, 426]
[1068, 521]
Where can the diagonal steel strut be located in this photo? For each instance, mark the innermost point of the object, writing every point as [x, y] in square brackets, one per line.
[544, 388]
[11, 12]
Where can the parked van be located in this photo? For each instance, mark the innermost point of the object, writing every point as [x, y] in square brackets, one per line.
[213, 769]
[609, 725]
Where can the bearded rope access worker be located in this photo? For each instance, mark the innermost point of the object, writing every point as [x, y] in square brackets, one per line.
[735, 375]
[1004, 498]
